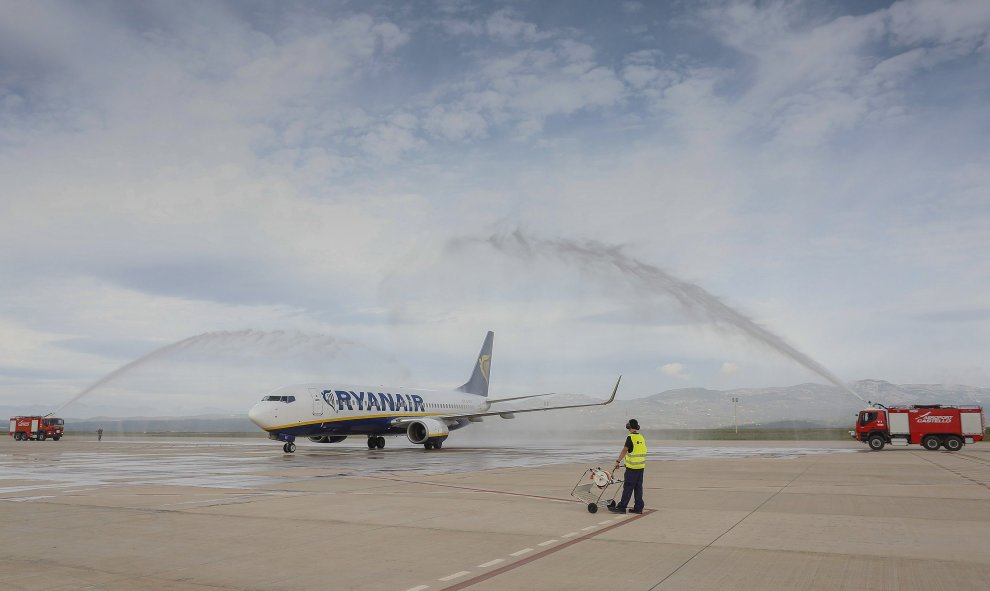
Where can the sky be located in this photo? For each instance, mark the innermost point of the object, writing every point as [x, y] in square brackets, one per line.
[358, 191]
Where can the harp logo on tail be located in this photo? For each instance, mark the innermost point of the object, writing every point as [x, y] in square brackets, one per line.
[485, 363]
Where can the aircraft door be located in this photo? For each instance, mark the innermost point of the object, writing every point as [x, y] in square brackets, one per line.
[317, 402]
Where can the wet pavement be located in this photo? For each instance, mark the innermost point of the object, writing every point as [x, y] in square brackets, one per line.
[236, 463]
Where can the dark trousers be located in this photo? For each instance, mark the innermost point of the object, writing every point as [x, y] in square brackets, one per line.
[632, 483]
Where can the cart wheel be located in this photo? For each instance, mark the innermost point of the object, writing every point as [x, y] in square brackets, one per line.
[610, 503]
[592, 508]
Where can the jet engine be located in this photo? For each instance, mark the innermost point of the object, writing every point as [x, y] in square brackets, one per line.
[327, 438]
[422, 429]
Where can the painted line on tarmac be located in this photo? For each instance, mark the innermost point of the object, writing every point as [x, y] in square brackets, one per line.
[481, 490]
[521, 552]
[513, 565]
[454, 576]
[419, 588]
[491, 563]
[569, 534]
[547, 543]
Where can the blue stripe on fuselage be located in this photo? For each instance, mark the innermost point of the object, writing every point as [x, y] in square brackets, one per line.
[357, 426]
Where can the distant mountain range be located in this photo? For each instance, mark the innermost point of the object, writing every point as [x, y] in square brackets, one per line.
[800, 406]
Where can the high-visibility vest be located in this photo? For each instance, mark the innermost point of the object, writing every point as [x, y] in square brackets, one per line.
[636, 459]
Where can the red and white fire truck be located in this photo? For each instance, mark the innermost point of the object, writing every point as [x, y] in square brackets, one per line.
[931, 425]
[39, 428]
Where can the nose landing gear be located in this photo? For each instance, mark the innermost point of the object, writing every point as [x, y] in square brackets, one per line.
[289, 447]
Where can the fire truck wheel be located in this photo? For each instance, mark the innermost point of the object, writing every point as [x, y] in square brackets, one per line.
[930, 443]
[41, 435]
[56, 437]
[952, 443]
[876, 442]
[17, 435]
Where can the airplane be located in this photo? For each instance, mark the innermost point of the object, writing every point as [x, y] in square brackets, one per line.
[331, 413]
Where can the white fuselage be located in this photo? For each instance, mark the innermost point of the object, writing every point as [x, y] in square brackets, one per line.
[309, 410]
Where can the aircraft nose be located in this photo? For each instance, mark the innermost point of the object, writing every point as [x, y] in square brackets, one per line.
[260, 415]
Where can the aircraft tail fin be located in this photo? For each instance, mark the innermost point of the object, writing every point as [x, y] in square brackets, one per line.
[478, 384]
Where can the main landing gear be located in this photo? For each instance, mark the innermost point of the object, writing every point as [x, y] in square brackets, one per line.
[376, 442]
[433, 444]
[289, 447]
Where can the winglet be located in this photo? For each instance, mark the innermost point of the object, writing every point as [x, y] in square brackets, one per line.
[614, 390]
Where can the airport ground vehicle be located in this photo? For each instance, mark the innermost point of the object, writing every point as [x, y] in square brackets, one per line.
[931, 425]
[593, 485]
[39, 428]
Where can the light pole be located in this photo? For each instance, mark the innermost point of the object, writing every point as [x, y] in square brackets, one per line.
[735, 413]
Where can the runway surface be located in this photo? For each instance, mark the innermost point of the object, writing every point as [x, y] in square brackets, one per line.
[227, 514]
[234, 463]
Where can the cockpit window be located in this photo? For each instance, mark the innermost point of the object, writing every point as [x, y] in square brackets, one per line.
[279, 399]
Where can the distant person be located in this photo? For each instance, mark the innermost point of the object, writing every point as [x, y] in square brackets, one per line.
[99, 434]
[634, 455]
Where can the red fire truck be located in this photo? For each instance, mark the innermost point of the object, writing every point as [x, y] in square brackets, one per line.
[931, 425]
[40, 428]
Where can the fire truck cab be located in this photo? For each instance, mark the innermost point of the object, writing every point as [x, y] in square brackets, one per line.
[930, 425]
[38, 428]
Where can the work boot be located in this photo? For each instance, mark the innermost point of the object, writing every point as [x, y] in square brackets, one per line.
[616, 509]
[640, 511]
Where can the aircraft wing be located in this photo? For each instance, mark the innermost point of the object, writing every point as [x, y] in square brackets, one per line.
[519, 397]
[508, 414]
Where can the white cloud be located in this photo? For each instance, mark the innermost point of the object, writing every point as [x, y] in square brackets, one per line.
[675, 370]
[505, 26]
[728, 368]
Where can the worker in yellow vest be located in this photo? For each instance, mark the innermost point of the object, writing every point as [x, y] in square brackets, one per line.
[634, 456]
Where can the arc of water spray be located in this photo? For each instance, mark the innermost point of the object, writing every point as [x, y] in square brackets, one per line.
[283, 340]
[591, 255]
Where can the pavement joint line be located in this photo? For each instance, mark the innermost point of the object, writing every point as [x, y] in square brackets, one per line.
[491, 563]
[521, 552]
[744, 518]
[455, 575]
[483, 490]
[533, 557]
[547, 543]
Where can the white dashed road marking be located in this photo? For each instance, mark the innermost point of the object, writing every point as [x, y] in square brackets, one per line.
[569, 534]
[590, 527]
[454, 576]
[491, 562]
[420, 588]
[547, 543]
[521, 552]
